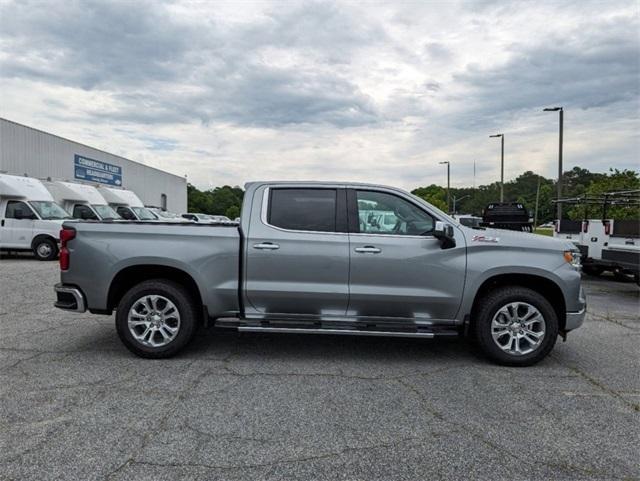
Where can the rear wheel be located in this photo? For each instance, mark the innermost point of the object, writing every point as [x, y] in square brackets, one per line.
[515, 326]
[45, 249]
[156, 318]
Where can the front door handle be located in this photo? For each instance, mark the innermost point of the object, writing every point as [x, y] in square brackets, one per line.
[266, 245]
[368, 250]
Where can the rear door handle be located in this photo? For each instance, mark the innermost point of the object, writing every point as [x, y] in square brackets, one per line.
[368, 250]
[266, 245]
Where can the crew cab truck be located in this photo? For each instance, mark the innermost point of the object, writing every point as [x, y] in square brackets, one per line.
[29, 217]
[308, 258]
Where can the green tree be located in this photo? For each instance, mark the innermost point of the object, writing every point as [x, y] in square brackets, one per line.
[233, 212]
[434, 194]
[217, 201]
[615, 181]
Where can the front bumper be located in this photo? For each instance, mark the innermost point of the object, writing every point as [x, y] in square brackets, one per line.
[576, 318]
[69, 298]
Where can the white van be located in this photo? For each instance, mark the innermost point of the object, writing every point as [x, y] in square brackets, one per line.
[80, 200]
[29, 217]
[126, 203]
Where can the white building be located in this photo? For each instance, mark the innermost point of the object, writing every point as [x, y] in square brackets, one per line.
[25, 150]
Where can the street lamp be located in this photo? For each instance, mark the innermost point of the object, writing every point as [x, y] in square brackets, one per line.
[455, 200]
[448, 183]
[561, 112]
[501, 165]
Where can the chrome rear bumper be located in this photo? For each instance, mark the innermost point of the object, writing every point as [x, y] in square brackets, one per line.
[69, 298]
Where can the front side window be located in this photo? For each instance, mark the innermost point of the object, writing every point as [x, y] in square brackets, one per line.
[303, 209]
[49, 210]
[125, 213]
[19, 210]
[81, 211]
[382, 213]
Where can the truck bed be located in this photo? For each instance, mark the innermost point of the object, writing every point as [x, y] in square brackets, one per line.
[209, 253]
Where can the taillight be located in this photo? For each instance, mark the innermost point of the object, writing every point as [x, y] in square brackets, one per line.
[66, 234]
[607, 227]
[585, 226]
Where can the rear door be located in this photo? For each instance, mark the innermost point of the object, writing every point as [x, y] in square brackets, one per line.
[297, 253]
[398, 269]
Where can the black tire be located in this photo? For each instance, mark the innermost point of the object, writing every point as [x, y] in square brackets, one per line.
[45, 249]
[592, 270]
[184, 303]
[487, 309]
[621, 276]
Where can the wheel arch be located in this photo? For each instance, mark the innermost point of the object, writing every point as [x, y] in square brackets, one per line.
[40, 237]
[129, 276]
[544, 286]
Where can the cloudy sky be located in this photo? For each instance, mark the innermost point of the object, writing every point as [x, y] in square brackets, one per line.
[367, 91]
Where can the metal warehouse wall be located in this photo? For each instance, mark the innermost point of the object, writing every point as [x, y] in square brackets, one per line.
[24, 150]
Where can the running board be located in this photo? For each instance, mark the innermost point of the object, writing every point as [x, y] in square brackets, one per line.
[344, 332]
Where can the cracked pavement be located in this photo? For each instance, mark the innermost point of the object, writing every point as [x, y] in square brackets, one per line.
[76, 405]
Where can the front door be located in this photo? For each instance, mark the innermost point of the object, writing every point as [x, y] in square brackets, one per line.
[297, 253]
[398, 269]
[19, 220]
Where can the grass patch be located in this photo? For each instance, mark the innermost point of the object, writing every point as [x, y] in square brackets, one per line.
[548, 232]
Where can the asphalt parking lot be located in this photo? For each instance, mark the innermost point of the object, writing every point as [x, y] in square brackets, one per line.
[75, 404]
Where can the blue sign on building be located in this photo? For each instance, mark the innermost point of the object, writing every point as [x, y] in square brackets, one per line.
[97, 171]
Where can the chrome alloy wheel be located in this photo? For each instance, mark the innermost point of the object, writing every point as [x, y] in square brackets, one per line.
[518, 328]
[44, 249]
[154, 321]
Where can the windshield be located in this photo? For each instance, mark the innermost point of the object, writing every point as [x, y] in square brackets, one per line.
[49, 210]
[143, 213]
[106, 212]
[165, 214]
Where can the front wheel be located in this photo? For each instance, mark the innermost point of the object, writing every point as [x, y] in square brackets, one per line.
[515, 326]
[156, 318]
[45, 249]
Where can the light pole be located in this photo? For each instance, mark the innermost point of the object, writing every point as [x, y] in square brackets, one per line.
[560, 110]
[455, 200]
[448, 184]
[501, 165]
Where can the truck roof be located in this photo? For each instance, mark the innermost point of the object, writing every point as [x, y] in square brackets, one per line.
[248, 185]
[120, 196]
[26, 188]
[75, 192]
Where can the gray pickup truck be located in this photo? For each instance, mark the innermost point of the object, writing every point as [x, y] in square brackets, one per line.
[326, 258]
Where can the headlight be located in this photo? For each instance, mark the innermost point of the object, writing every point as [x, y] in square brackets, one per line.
[573, 258]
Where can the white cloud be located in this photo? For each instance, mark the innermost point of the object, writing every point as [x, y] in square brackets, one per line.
[230, 92]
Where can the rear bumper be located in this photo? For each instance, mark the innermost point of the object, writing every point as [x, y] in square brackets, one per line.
[576, 318]
[69, 298]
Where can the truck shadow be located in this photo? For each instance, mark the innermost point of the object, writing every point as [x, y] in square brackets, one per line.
[325, 347]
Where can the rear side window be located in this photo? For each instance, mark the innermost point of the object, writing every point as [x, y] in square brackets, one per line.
[303, 209]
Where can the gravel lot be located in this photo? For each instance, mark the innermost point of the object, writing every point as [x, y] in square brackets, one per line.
[74, 404]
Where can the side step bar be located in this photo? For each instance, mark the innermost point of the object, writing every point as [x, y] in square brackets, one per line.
[344, 332]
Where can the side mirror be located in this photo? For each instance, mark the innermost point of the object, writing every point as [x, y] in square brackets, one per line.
[17, 214]
[444, 232]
